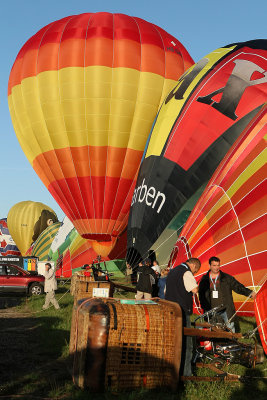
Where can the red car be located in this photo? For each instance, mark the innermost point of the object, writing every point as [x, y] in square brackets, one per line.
[14, 279]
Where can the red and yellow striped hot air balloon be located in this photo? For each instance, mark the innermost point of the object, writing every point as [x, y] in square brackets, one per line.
[229, 220]
[83, 93]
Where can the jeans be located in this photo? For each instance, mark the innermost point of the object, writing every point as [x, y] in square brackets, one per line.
[230, 325]
[187, 350]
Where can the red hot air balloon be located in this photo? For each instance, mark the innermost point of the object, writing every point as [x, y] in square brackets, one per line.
[229, 220]
[83, 94]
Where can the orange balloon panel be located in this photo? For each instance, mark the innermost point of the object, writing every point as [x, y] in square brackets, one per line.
[104, 248]
[83, 93]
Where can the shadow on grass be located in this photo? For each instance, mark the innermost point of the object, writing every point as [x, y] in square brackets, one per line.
[30, 349]
[9, 301]
[32, 365]
[254, 386]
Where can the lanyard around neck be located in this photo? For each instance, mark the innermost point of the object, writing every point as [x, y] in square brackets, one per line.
[214, 281]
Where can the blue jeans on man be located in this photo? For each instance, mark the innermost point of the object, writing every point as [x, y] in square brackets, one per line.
[187, 350]
[230, 325]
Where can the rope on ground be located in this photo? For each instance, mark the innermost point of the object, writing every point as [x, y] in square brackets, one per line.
[39, 311]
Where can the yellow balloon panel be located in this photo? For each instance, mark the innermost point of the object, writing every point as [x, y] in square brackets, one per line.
[169, 110]
[78, 117]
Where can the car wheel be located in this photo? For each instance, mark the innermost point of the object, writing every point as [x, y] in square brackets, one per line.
[36, 289]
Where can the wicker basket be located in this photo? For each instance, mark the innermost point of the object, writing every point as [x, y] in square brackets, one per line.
[85, 290]
[79, 278]
[126, 346]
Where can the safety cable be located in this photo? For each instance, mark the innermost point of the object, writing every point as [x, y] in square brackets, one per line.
[262, 281]
[251, 333]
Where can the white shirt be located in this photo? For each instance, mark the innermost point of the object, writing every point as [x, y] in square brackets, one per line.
[189, 281]
[156, 268]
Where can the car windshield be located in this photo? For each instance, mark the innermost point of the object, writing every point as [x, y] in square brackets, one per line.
[11, 269]
[23, 270]
[19, 269]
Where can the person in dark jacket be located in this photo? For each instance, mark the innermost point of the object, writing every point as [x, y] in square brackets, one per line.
[215, 289]
[146, 277]
[180, 286]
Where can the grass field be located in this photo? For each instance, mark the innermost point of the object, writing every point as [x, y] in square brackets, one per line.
[35, 362]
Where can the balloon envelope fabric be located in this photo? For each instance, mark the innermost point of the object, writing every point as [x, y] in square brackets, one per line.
[83, 94]
[197, 124]
[62, 240]
[75, 256]
[229, 221]
[261, 314]
[43, 244]
[26, 220]
[7, 244]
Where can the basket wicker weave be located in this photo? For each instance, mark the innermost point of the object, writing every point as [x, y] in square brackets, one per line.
[126, 346]
[79, 278]
[88, 289]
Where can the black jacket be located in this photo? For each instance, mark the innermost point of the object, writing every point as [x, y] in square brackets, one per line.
[144, 275]
[175, 289]
[228, 283]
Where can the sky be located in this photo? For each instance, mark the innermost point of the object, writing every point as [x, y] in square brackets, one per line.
[201, 26]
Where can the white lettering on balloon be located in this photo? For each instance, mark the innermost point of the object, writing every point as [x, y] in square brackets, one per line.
[151, 196]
